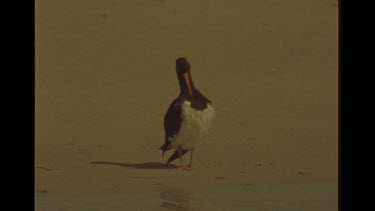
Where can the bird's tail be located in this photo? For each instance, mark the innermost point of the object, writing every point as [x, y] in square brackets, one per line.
[164, 147]
[175, 155]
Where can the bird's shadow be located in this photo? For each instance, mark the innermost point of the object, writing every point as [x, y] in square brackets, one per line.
[148, 165]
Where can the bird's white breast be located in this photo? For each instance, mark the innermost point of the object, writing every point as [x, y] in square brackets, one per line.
[194, 125]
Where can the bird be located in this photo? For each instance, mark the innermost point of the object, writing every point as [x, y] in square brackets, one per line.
[188, 117]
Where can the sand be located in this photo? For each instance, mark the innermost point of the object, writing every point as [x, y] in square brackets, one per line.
[105, 78]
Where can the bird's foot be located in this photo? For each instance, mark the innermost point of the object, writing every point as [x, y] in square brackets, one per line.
[189, 167]
[186, 168]
[180, 167]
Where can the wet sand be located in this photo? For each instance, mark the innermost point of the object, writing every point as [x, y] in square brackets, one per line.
[105, 77]
[298, 196]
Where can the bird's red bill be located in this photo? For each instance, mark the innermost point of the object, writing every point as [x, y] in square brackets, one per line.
[186, 77]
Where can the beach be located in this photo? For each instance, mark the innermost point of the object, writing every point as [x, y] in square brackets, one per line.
[105, 76]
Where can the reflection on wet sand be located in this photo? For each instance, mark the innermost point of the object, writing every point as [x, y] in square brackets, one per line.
[177, 199]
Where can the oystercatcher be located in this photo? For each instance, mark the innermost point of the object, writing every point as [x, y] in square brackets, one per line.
[188, 118]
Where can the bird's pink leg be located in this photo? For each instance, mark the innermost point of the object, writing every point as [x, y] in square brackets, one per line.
[179, 150]
[190, 166]
[180, 155]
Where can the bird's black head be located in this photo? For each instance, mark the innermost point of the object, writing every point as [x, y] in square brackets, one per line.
[184, 76]
[182, 65]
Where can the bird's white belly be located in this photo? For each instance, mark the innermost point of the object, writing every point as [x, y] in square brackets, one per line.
[194, 125]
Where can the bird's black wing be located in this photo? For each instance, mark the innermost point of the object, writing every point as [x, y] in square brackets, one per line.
[172, 123]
